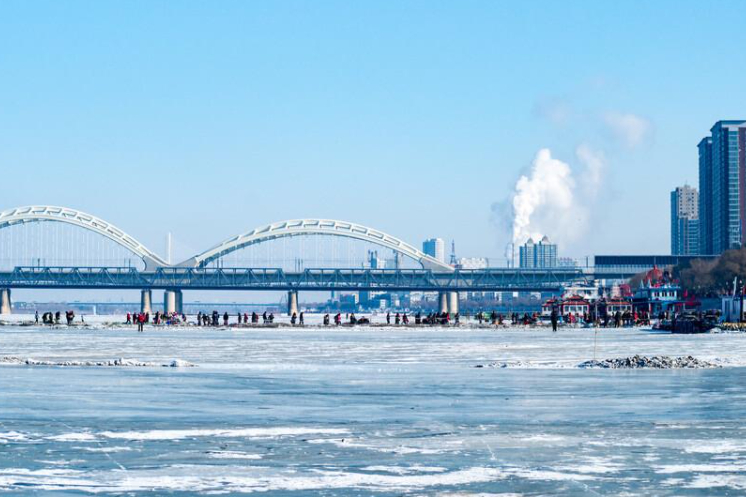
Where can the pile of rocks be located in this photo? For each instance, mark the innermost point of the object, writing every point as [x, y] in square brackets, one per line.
[655, 362]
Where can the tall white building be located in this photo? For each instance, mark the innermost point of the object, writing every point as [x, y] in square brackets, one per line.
[435, 248]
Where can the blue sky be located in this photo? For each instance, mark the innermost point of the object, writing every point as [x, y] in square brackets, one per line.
[210, 118]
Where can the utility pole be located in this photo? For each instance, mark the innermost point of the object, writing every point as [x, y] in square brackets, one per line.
[510, 254]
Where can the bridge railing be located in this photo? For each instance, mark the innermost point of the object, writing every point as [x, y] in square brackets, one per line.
[630, 270]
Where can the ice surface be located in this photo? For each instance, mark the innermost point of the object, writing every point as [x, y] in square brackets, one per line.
[246, 432]
[386, 410]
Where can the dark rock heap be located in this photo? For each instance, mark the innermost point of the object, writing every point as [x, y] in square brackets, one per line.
[655, 362]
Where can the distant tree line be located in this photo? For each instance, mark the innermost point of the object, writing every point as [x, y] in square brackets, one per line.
[708, 278]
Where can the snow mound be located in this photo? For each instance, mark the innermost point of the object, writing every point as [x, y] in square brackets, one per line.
[178, 363]
[121, 362]
[515, 364]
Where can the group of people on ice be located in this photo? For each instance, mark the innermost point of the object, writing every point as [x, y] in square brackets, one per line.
[54, 318]
[515, 318]
[204, 319]
[616, 320]
[143, 318]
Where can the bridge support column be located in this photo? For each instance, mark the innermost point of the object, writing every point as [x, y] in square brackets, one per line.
[452, 303]
[292, 302]
[5, 301]
[442, 302]
[172, 301]
[146, 301]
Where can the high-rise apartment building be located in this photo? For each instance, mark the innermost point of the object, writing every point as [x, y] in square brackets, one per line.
[722, 173]
[538, 255]
[684, 221]
[435, 248]
[705, 196]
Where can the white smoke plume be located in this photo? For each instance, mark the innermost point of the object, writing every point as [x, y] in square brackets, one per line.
[549, 201]
[550, 186]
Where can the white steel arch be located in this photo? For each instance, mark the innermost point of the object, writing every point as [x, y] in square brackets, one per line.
[299, 227]
[39, 213]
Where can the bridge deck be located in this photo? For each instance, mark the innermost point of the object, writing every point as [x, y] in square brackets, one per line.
[497, 279]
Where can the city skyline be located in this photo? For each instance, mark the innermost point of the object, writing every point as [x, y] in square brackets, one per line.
[379, 113]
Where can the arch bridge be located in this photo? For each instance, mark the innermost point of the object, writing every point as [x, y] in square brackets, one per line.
[195, 273]
[48, 213]
[310, 227]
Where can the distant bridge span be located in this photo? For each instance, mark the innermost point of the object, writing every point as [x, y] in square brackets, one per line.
[282, 229]
[41, 213]
[194, 273]
[301, 227]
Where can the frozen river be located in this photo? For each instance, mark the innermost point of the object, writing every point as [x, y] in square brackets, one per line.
[369, 411]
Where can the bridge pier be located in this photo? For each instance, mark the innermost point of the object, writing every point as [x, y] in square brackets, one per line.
[172, 301]
[146, 301]
[442, 302]
[5, 306]
[452, 303]
[292, 302]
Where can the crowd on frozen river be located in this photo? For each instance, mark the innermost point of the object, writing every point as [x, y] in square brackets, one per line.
[385, 410]
[255, 319]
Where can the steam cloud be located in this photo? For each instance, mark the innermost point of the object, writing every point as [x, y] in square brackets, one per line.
[556, 199]
[550, 186]
[550, 201]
